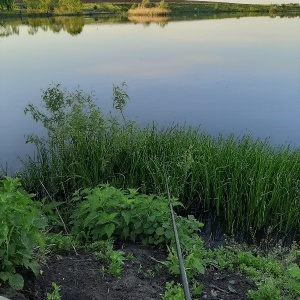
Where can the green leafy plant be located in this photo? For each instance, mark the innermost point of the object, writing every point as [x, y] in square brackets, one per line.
[173, 291]
[150, 273]
[114, 258]
[247, 261]
[276, 278]
[104, 212]
[21, 232]
[54, 295]
[221, 257]
[193, 264]
[115, 262]
[294, 272]
[120, 98]
[59, 242]
[265, 291]
[129, 256]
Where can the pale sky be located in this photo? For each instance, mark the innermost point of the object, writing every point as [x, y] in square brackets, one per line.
[259, 1]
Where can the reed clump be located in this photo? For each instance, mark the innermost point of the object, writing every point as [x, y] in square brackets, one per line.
[146, 8]
[153, 11]
[250, 183]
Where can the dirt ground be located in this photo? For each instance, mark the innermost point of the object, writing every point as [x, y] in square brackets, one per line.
[79, 277]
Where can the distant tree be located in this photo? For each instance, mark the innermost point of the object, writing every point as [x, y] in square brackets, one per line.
[31, 5]
[163, 4]
[146, 4]
[6, 4]
[70, 6]
[47, 6]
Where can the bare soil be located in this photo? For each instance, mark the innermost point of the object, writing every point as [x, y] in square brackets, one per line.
[79, 277]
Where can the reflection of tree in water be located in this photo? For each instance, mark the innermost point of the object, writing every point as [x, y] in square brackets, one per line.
[36, 23]
[147, 20]
[8, 29]
[73, 25]
[54, 26]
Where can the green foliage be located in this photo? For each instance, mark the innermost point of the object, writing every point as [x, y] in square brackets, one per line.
[114, 258]
[220, 257]
[6, 4]
[192, 263]
[57, 6]
[109, 8]
[151, 273]
[245, 181]
[57, 242]
[69, 6]
[120, 98]
[47, 6]
[75, 127]
[32, 5]
[294, 272]
[54, 295]
[163, 4]
[146, 4]
[173, 291]
[134, 5]
[262, 265]
[104, 212]
[276, 279]
[266, 291]
[21, 236]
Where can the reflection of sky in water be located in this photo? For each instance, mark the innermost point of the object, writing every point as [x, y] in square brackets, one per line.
[225, 75]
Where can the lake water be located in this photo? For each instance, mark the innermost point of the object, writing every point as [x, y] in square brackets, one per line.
[227, 75]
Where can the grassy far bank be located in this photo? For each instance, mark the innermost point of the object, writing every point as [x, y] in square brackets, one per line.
[76, 7]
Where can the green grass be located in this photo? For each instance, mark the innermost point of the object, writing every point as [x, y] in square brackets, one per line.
[249, 182]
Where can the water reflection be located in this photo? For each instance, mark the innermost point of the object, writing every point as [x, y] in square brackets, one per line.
[8, 29]
[229, 75]
[74, 25]
[147, 20]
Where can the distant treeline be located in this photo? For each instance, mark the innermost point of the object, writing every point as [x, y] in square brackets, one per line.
[63, 7]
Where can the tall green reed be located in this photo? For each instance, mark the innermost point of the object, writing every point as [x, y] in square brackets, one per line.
[250, 183]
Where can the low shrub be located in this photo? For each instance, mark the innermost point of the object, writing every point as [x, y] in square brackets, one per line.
[21, 232]
[105, 212]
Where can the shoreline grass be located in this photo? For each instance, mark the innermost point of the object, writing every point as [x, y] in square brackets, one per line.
[248, 182]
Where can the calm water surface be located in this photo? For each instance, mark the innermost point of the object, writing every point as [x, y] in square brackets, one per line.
[228, 75]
